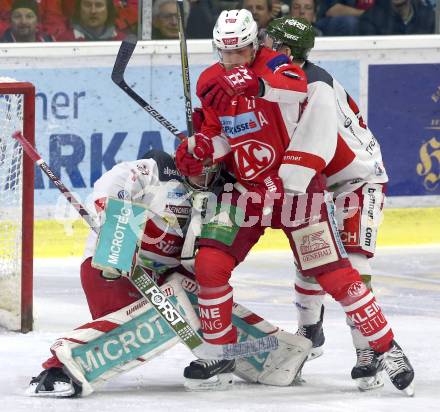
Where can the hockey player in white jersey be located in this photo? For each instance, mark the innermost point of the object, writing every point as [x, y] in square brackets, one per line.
[357, 178]
[125, 331]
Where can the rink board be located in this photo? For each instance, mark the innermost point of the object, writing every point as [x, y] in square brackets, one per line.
[400, 227]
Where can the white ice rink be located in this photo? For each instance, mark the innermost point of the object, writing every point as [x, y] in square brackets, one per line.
[407, 283]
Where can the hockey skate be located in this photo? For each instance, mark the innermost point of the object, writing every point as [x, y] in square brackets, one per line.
[316, 334]
[367, 372]
[397, 366]
[53, 382]
[208, 374]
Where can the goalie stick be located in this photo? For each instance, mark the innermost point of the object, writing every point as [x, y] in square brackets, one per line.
[149, 289]
[185, 69]
[124, 54]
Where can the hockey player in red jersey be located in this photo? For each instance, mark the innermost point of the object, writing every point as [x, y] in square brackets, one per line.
[252, 102]
[356, 176]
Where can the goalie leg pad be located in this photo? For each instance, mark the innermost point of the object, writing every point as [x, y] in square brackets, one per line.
[120, 341]
[278, 367]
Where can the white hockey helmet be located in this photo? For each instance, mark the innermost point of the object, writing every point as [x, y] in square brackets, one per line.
[235, 29]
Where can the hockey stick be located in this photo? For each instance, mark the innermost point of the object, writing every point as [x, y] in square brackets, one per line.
[124, 54]
[185, 69]
[149, 289]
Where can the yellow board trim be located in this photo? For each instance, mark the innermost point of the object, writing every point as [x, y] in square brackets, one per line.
[400, 227]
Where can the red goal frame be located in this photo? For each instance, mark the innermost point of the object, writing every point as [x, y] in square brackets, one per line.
[27, 236]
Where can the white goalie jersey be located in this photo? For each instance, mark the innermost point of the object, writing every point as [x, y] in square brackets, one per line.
[152, 181]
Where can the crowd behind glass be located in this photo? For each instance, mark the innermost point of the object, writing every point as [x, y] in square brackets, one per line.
[96, 20]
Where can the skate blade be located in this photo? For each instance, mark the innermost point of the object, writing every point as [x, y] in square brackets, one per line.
[409, 390]
[221, 382]
[61, 390]
[315, 353]
[370, 383]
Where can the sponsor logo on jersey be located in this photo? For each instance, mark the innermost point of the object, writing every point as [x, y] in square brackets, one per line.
[236, 126]
[230, 41]
[371, 146]
[123, 194]
[356, 289]
[379, 169]
[175, 195]
[230, 20]
[179, 210]
[143, 169]
[315, 244]
[253, 158]
[170, 172]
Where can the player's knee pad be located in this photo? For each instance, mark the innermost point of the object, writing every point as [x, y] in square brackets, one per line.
[213, 267]
[342, 284]
[361, 263]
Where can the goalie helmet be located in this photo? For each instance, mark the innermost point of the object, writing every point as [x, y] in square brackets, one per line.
[295, 32]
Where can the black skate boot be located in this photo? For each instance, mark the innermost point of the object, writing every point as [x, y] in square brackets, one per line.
[208, 374]
[367, 372]
[397, 366]
[53, 382]
[316, 334]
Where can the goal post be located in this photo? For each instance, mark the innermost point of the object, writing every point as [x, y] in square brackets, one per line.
[17, 112]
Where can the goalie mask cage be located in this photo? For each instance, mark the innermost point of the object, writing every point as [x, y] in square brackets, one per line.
[17, 112]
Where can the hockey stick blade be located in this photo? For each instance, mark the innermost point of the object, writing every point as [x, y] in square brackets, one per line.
[124, 55]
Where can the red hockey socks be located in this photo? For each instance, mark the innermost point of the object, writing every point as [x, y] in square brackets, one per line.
[359, 303]
[213, 270]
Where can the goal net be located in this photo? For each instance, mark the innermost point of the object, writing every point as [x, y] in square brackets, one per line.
[17, 112]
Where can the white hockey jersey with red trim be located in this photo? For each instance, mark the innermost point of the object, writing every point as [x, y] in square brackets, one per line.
[155, 183]
[331, 138]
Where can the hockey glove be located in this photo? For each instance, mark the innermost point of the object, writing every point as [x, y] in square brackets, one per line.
[271, 188]
[200, 146]
[218, 92]
[198, 117]
[186, 163]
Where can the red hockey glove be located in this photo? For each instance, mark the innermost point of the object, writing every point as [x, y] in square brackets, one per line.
[272, 188]
[218, 92]
[200, 146]
[186, 163]
[197, 117]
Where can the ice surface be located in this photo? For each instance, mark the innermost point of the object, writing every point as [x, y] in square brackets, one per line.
[407, 283]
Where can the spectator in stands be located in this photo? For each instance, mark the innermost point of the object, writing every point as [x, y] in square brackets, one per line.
[261, 11]
[398, 17]
[93, 20]
[307, 9]
[201, 19]
[341, 17]
[23, 24]
[126, 13]
[51, 17]
[165, 20]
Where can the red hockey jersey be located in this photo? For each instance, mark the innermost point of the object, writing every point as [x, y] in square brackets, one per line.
[258, 130]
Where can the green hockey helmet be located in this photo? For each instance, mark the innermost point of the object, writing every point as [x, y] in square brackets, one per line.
[295, 32]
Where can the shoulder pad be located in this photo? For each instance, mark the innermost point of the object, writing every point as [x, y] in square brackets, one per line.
[315, 73]
[165, 165]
